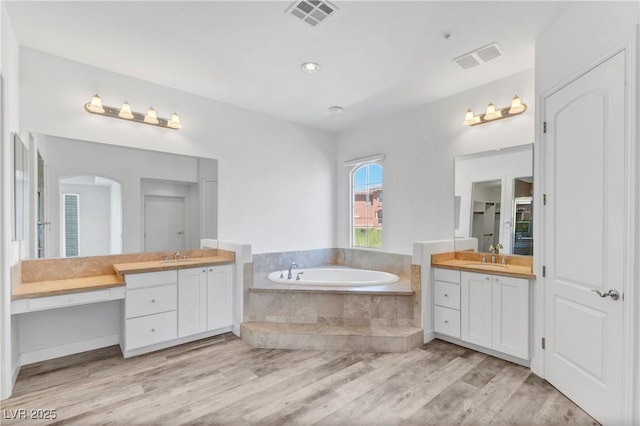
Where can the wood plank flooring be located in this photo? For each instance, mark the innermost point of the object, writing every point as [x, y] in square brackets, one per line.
[222, 381]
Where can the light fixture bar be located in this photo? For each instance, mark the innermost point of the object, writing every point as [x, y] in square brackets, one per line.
[516, 108]
[114, 112]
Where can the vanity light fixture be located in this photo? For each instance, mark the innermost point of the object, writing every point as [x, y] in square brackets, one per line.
[151, 117]
[493, 114]
[95, 105]
[125, 113]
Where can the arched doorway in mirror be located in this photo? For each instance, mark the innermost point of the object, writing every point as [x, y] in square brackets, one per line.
[90, 216]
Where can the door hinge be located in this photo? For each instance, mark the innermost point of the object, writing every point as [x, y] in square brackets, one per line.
[544, 271]
[544, 199]
[544, 127]
[544, 343]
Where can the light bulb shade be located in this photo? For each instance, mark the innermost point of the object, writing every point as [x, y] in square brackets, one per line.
[151, 117]
[174, 123]
[491, 113]
[517, 106]
[470, 119]
[96, 105]
[125, 111]
[310, 67]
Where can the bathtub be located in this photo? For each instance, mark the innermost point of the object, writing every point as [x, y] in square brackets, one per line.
[334, 276]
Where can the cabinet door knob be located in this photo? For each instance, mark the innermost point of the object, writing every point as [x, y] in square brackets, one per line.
[446, 295]
[487, 278]
[204, 270]
[153, 330]
[446, 321]
[153, 300]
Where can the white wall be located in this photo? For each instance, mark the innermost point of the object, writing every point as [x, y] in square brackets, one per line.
[276, 179]
[420, 146]
[10, 250]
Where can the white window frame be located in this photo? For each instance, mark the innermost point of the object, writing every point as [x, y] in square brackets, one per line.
[372, 160]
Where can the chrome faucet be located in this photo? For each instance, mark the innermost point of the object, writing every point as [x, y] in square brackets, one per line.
[176, 255]
[495, 250]
[291, 266]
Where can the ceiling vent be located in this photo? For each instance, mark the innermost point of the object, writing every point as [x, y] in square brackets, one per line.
[313, 12]
[478, 56]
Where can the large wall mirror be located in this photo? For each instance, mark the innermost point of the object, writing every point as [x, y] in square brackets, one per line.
[98, 199]
[494, 199]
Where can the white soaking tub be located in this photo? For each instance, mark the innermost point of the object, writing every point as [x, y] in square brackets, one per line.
[333, 276]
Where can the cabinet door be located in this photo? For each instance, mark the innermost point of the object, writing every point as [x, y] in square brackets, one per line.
[192, 301]
[475, 309]
[219, 296]
[511, 316]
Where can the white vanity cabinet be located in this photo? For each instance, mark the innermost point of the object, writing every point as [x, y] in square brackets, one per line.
[151, 303]
[204, 299]
[192, 301]
[219, 296]
[167, 308]
[446, 298]
[495, 312]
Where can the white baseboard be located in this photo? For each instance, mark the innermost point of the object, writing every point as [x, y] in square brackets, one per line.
[69, 349]
[429, 335]
[516, 360]
[236, 330]
[16, 371]
[175, 342]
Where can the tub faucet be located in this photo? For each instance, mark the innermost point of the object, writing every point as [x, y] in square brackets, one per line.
[291, 266]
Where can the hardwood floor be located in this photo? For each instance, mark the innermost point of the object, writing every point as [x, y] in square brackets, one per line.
[223, 381]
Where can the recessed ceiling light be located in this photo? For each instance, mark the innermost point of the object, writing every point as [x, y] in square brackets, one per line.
[310, 67]
[335, 109]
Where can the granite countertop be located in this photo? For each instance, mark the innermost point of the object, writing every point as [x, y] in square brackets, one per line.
[517, 266]
[168, 265]
[106, 275]
[65, 286]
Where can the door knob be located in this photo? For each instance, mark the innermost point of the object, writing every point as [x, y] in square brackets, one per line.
[613, 293]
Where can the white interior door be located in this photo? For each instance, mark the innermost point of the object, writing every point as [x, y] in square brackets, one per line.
[584, 238]
[163, 223]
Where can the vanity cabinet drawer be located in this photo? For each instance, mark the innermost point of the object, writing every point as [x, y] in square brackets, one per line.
[446, 321]
[447, 294]
[151, 300]
[151, 279]
[447, 275]
[151, 329]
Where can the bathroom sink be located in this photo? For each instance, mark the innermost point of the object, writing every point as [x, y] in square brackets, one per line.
[178, 261]
[486, 265]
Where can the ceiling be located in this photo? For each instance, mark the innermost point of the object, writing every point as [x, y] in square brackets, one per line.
[376, 57]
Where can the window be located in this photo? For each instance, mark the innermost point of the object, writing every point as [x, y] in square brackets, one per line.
[70, 224]
[366, 206]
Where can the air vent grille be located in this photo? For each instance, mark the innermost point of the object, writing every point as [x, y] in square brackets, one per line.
[478, 56]
[312, 12]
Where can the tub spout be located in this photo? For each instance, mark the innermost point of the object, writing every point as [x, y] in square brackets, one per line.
[291, 266]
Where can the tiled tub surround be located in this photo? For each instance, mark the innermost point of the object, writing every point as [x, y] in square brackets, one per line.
[378, 318]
